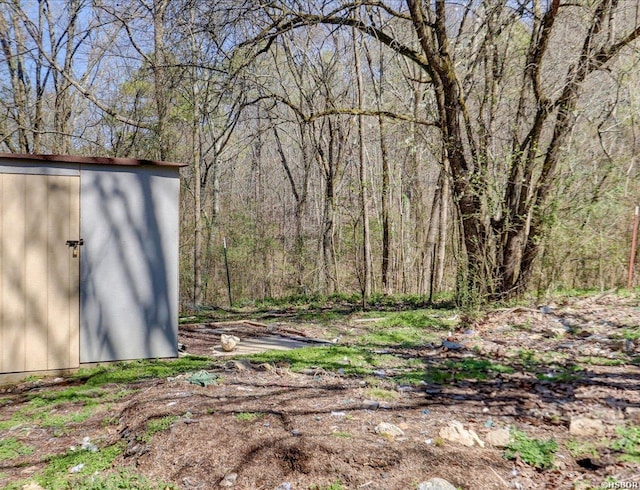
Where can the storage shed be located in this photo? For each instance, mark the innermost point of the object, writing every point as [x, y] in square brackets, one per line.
[88, 260]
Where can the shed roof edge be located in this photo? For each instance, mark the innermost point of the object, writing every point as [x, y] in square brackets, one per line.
[88, 160]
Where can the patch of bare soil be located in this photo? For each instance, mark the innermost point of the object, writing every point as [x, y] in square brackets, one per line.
[265, 427]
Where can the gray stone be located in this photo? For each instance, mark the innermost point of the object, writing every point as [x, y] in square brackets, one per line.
[238, 365]
[87, 445]
[449, 345]
[389, 430]
[586, 427]
[436, 484]
[498, 437]
[370, 404]
[77, 468]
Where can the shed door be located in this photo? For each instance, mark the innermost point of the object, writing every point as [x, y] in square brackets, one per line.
[39, 272]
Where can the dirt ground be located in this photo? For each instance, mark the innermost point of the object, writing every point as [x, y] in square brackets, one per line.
[266, 427]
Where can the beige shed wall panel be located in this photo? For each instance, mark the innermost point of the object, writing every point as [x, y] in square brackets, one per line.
[39, 318]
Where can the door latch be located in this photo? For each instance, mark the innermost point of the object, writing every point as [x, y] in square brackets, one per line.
[75, 244]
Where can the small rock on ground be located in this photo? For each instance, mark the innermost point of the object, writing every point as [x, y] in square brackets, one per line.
[387, 429]
[436, 484]
[455, 432]
[229, 480]
[498, 437]
[586, 427]
[228, 342]
[32, 486]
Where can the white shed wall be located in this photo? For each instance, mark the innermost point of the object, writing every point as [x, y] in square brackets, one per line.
[129, 262]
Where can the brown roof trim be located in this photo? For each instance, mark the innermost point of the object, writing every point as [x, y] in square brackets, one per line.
[88, 160]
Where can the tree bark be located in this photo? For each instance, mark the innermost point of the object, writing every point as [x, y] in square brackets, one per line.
[364, 198]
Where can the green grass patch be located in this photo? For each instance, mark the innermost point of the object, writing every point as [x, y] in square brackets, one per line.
[157, 425]
[44, 409]
[341, 434]
[629, 333]
[53, 420]
[476, 369]
[350, 360]
[628, 443]
[75, 394]
[11, 448]
[579, 449]
[248, 416]
[57, 474]
[533, 361]
[414, 377]
[451, 371]
[418, 319]
[601, 361]
[381, 394]
[535, 452]
[336, 485]
[121, 479]
[549, 366]
[400, 336]
[17, 419]
[133, 371]
[561, 374]
[320, 316]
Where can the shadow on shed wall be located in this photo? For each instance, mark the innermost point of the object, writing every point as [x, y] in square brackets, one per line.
[129, 269]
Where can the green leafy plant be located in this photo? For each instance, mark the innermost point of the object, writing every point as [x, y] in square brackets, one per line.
[581, 448]
[628, 443]
[535, 452]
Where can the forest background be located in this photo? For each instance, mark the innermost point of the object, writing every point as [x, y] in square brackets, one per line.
[478, 149]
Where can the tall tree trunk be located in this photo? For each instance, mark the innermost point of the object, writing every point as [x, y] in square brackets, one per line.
[299, 192]
[161, 79]
[13, 48]
[329, 280]
[442, 230]
[384, 157]
[364, 198]
[197, 205]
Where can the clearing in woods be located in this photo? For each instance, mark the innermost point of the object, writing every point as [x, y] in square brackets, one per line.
[546, 396]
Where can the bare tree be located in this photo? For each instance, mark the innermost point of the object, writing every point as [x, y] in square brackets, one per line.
[502, 220]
